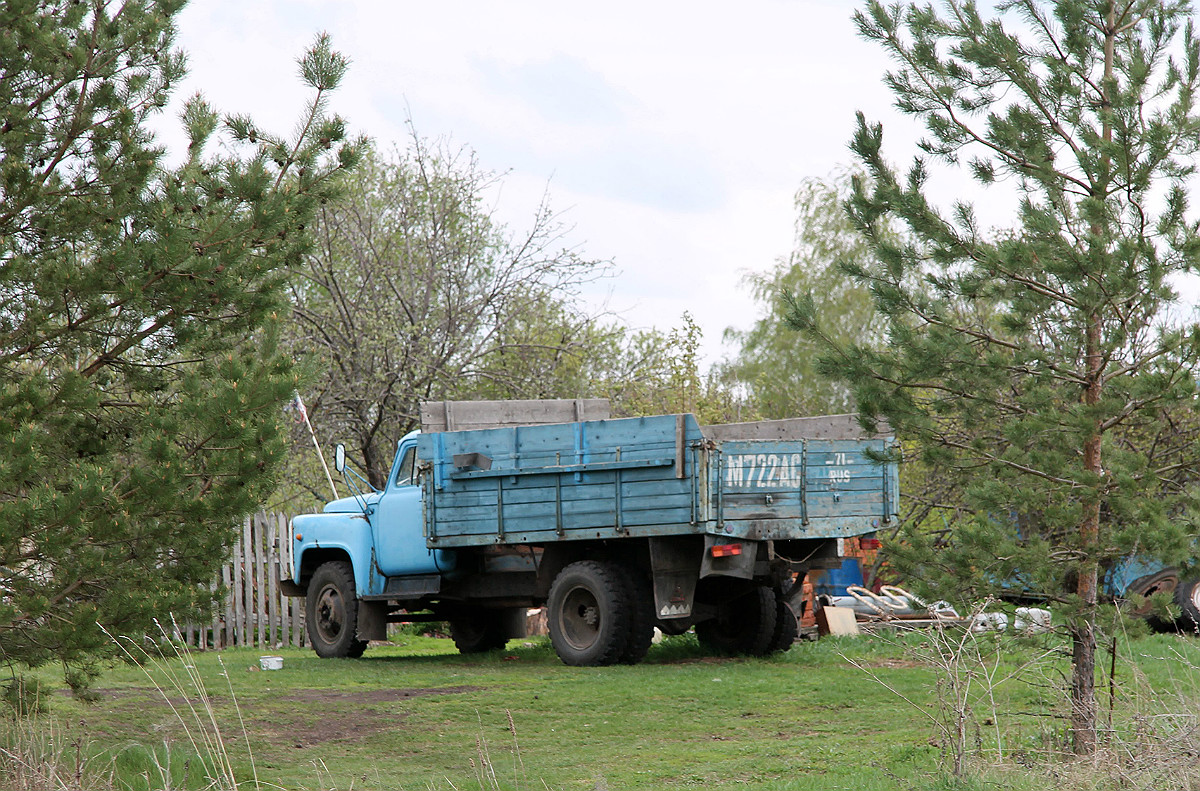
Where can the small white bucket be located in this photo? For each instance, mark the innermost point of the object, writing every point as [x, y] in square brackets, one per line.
[270, 662]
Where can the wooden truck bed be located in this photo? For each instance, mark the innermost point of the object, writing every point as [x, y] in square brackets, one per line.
[653, 476]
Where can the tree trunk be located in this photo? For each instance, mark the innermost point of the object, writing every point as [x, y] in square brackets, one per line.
[1083, 625]
[1083, 676]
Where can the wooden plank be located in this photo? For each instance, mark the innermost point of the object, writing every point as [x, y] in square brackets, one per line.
[469, 415]
[239, 584]
[560, 444]
[596, 511]
[272, 532]
[284, 570]
[299, 636]
[836, 621]
[296, 605]
[821, 427]
[259, 575]
[227, 578]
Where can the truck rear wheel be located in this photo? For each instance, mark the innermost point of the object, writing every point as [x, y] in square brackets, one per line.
[588, 613]
[331, 612]
[786, 627]
[478, 629]
[640, 600]
[674, 626]
[744, 625]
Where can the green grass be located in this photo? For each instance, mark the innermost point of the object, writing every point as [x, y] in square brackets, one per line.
[416, 715]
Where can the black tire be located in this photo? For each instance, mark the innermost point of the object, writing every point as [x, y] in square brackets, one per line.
[1187, 596]
[331, 612]
[640, 598]
[588, 613]
[745, 625]
[1165, 581]
[478, 630]
[786, 627]
[674, 626]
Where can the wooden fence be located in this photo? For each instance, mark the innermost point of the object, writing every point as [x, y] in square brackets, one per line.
[255, 612]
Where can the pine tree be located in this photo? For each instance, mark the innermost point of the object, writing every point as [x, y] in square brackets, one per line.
[140, 384]
[1040, 362]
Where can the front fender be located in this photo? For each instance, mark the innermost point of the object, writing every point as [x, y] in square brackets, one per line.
[349, 533]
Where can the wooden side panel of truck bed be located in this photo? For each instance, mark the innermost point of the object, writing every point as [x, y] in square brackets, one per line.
[653, 476]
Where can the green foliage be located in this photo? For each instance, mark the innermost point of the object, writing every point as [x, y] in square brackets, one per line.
[414, 292]
[1039, 364]
[140, 375]
[777, 367]
[24, 696]
[416, 715]
[672, 381]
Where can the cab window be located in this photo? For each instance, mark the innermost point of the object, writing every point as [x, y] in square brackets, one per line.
[404, 475]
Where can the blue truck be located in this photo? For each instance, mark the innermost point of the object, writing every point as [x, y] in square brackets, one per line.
[615, 526]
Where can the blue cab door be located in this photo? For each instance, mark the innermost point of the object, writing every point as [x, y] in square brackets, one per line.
[397, 524]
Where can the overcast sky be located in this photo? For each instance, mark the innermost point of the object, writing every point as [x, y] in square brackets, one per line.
[673, 135]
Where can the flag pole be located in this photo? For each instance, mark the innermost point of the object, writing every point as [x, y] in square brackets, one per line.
[299, 404]
[321, 456]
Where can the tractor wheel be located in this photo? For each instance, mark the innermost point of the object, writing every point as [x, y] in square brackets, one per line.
[1166, 581]
[786, 627]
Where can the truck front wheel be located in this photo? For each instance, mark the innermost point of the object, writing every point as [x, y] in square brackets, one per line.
[331, 612]
[589, 614]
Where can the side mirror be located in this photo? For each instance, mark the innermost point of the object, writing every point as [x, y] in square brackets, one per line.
[339, 457]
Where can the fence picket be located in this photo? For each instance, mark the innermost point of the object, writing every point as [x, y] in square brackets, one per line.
[272, 569]
[255, 613]
[227, 579]
[259, 588]
[285, 545]
[247, 583]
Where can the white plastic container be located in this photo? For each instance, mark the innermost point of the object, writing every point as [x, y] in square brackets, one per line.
[270, 662]
[989, 622]
[1032, 620]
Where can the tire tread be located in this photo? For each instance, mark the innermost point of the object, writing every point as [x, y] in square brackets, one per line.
[609, 586]
[341, 574]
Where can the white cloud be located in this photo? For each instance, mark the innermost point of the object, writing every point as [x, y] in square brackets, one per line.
[673, 133]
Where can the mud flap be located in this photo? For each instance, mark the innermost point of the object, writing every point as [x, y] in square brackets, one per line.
[372, 620]
[675, 562]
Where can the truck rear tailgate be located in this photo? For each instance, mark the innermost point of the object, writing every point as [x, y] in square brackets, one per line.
[803, 488]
